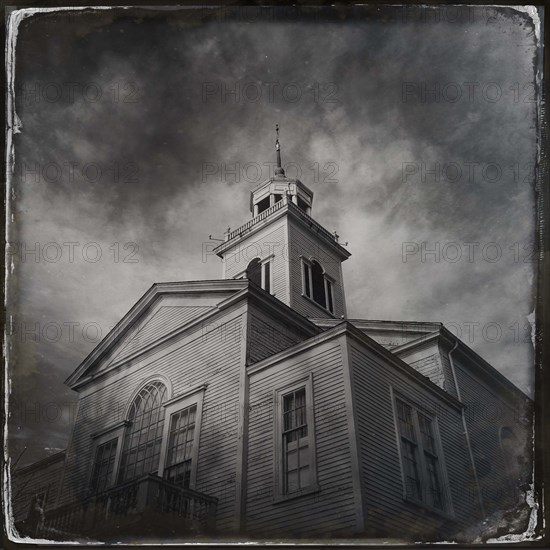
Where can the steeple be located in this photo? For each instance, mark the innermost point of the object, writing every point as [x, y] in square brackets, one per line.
[284, 251]
[279, 171]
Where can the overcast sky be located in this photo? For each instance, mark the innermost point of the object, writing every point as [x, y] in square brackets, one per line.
[129, 132]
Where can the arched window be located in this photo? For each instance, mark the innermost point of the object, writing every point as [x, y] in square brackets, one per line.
[316, 284]
[260, 273]
[254, 272]
[143, 437]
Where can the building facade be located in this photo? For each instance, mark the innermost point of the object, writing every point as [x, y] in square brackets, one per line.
[252, 406]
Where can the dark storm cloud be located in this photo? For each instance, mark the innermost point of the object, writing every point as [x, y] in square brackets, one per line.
[167, 111]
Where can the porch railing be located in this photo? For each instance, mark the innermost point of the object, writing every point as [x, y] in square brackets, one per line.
[272, 209]
[122, 507]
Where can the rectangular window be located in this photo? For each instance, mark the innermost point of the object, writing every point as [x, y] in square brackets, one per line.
[317, 285]
[431, 461]
[180, 448]
[295, 442]
[179, 454]
[409, 449]
[104, 463]
[419, 456]
[296, 459]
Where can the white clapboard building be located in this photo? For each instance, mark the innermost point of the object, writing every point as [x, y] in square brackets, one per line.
[252, 406]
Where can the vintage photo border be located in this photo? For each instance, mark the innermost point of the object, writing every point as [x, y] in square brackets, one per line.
[538, 537]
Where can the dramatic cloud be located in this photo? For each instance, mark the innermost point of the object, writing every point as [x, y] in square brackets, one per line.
[415, 129]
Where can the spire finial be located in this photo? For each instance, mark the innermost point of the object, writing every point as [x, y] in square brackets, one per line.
[279, 170]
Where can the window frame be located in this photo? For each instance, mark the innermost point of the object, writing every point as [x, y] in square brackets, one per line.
[94, 487]
[190, 396]
[279, 494]
[267, 262]
[328, 283]
[194, 396]
[263, 262]
[261, 269]
[426, 500]
[100, 438]
[128, 423]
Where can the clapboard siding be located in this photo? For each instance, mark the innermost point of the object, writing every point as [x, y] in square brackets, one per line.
[427, 359]
[430, 367]
[192, 359]
[387, 512]
[331, 511]
[304, 244]
[449, 384]
[270, 240]
[267, 335]
[185, 308]
[486, 413]
[162, 322]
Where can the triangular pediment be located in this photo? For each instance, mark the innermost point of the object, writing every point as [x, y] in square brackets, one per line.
[154, 326]
[165, 310]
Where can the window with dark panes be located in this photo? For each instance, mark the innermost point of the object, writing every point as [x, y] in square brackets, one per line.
[143, 437]
[409, 450]
[104, 463]
[180, 446]
[254, 272]
[330, 305]
[431, 461]
[318, 284]
[420, 456]
[296, 454]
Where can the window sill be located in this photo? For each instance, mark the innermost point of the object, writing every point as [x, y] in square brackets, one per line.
[291, 496]
[430, 509]
[318, 305]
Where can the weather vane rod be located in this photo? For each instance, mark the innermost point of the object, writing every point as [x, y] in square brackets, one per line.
[278, 147]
